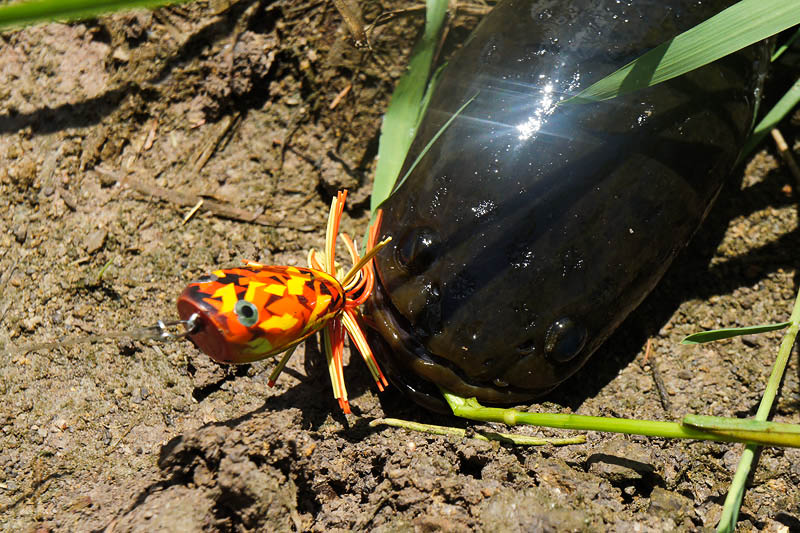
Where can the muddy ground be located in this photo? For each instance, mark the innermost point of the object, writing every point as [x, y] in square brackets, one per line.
[110, 130]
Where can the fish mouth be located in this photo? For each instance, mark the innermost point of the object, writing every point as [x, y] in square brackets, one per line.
[419, 373]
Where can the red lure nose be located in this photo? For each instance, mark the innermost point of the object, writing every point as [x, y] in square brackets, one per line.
[207, 336]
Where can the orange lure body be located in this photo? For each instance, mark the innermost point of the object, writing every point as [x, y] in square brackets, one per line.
[245, 314]
[259, 311]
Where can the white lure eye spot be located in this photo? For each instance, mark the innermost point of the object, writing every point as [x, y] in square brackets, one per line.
[246, 312]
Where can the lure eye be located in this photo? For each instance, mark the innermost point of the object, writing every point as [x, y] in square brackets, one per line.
[564, 340]
[246, 312]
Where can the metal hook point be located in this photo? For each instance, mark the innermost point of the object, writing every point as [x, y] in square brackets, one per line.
[189, 326]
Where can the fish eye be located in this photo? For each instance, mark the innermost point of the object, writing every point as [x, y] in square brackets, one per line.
[564, 340]
[246, 312]
[417, 249]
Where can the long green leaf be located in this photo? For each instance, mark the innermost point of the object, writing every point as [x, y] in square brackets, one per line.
[727, 333]
[403, 115]
[741, 25]
[22, 13]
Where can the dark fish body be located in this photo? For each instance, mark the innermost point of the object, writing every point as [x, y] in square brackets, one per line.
[527, 233]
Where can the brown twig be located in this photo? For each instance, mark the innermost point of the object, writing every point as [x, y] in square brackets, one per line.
[339, 97]
[302, 8]
[648, 350]
[663, 396]
[786, 154]
[151, 135]
[69, 201]
[190, 200]
[294, 126]
[208, 148]
[388, 16]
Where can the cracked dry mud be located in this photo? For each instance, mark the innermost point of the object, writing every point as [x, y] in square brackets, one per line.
[232, 101]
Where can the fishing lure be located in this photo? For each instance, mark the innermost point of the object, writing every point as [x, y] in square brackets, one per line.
[245, 314]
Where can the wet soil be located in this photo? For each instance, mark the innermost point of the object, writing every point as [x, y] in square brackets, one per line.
[111, 130]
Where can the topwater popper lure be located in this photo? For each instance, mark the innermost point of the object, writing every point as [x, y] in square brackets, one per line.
[245, 314]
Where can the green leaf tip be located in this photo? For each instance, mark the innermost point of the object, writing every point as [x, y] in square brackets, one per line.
[727, 333]
[737, 27]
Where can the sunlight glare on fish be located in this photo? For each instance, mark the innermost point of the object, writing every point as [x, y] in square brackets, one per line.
[534, 122]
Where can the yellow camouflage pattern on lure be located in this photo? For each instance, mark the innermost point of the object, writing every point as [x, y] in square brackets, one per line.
[249, 313]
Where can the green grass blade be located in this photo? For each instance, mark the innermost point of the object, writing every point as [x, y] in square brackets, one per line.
[785, 46]
[744, 428]
[404, 113]
[733, 502]
[741, 25]
[31, 12]
[719, 423]
[433, 140]
[103, 270]
[784, 106]
[730, 511]
[727, 333]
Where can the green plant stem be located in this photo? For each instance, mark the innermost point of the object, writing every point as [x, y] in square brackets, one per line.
[733, 502]
[471, 409]
[509, 438]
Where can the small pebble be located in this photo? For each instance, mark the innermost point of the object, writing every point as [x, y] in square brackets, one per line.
[731, 460]
[106, 180]
[95, 240]
[21, 233]
[751, 340]
[136, 397]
